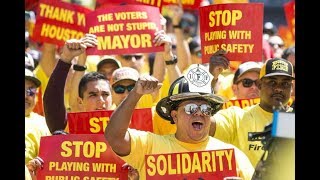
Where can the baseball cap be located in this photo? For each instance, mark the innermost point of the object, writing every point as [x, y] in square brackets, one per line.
[31, 77]
[246, 67]
[108, 59]
[124, 73]
[196, 84]
[276, 67]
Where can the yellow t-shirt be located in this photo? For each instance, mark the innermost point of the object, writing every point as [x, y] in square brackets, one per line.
[165, 87]
[146, 143]
[162, 126]
[38, 121]
[233, 126]
[225, 86]
[35, 128]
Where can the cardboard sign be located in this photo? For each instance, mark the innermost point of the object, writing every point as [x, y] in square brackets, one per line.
[79, 157]
[286, 34]
[105, 3]
[230, 1]
[186, 4]
[125, 29]
[215, 164]
[235, 28]
[242, 103]
[95, 122]
[58, 21]
[289, 12]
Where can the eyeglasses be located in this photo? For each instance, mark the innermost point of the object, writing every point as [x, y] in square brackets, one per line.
[120, 89]
[193, 108]
[31, 91]
[129, 57]
[247, 82]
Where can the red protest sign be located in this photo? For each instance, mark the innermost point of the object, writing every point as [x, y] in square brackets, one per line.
[230, 1]
[79, 156]
[95, 122]
[124, 29]
[186, 4]
[235, 28]
[58, 21]
[289, 11]
[215, 164]
[105, 3]
[242, 103]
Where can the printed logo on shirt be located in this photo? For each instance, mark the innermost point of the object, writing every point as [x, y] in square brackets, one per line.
[256, 137]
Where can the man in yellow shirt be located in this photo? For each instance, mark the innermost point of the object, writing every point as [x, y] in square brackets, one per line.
[238, 126]
[35, 124]
[94, 91]
[189, 106]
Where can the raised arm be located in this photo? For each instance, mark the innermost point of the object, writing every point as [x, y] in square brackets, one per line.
[173, 69]
[53, 100]
[183, 52]
[75, 80]
[116, 132]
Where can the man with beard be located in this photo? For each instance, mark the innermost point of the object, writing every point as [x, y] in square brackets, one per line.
[241, 126]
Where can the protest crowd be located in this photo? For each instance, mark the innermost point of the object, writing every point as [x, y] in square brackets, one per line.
[157, 90]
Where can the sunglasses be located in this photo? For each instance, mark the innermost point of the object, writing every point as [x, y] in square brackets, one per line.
[120, 89]
[206, 109]
[247, 82]
[129, 57]
[31, 91]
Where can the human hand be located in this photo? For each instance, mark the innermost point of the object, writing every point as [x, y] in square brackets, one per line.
[147, 84]
[34, 165]
[162, 38]
[175, 12]
[133, 173]
[75, 47]
[218, 63]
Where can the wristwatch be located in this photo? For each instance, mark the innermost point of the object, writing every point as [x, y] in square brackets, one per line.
[173, 61]
[77, 67]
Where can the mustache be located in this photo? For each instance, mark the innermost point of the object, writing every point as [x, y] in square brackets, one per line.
[278, 95]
